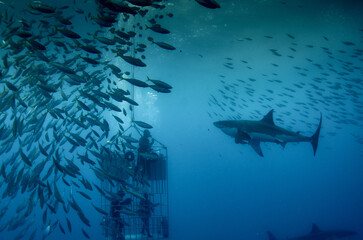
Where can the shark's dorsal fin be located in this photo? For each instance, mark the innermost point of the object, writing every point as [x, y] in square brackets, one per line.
[315, 229]
[271, 236]
[268, 118]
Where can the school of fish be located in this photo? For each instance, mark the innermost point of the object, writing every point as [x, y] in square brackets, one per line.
[330, 83]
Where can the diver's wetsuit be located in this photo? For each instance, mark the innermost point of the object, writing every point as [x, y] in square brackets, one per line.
[117, 223]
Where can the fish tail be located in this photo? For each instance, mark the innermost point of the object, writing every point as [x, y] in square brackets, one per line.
[315, 138]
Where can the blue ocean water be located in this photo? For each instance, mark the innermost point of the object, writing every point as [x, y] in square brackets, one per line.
[299, 58]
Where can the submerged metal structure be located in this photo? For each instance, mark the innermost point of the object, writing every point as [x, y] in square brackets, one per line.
[137, 205]
[142, 185]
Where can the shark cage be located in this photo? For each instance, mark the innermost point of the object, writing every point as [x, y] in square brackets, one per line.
[135, 193]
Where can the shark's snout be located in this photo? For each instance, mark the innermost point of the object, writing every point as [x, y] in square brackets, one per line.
[218, 124]
[223, 125]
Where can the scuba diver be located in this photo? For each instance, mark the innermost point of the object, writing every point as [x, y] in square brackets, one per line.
[144, 148]
[117, 222]
[145, 210]
[144, 143]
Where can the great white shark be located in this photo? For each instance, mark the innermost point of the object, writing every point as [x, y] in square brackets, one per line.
[254, 132]
[317, 234]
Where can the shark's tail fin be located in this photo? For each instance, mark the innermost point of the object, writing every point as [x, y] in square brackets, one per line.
[315, 138]
[271, 236]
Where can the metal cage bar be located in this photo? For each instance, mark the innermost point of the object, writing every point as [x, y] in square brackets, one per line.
[132, 224]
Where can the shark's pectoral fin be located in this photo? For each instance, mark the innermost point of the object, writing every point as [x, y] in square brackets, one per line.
[255, 144]
[242, 137]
